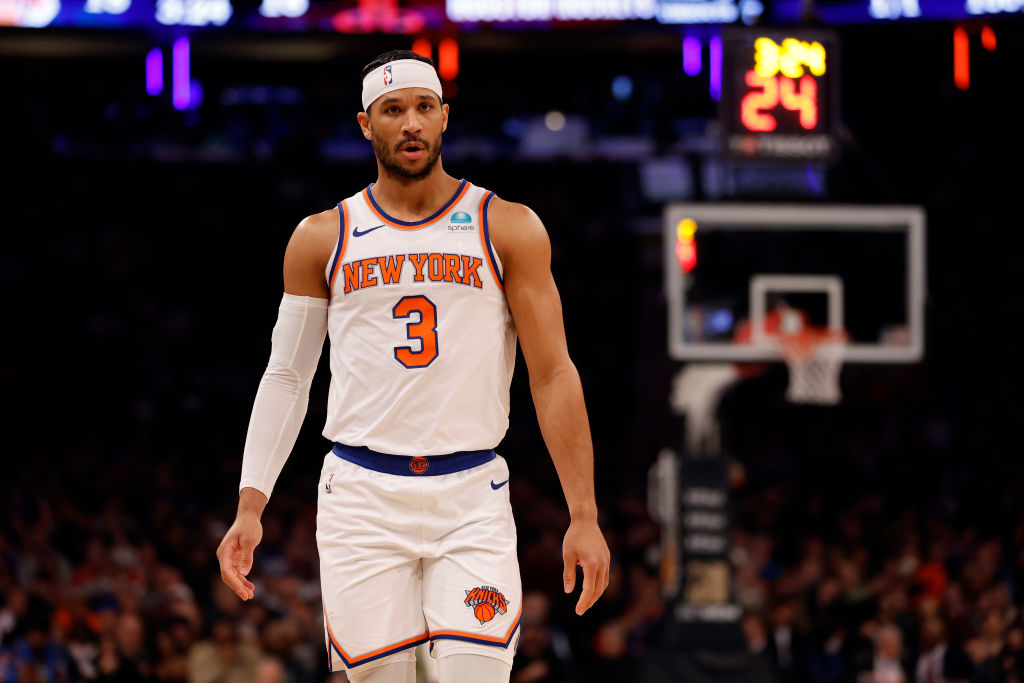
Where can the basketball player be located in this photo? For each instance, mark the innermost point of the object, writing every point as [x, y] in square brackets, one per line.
[423, 282]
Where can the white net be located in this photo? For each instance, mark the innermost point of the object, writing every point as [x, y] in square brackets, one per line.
[815, 360]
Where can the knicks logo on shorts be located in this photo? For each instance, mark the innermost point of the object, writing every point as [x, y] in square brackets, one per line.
[419, 465]
[486, 601]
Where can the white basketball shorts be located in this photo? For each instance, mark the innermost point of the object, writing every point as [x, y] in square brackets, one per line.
[407, 559]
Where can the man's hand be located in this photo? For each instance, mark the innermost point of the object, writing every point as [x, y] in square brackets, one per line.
[235, 554]
[584, 545]
[235, 551]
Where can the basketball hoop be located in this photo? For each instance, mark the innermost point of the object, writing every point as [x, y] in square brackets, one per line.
[814, 357]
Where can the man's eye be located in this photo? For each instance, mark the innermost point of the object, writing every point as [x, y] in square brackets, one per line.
[425, 106]
[392, 110]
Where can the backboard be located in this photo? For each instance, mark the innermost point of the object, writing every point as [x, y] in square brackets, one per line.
[735, 272]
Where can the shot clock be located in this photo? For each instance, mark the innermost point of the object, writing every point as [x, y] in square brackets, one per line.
[780, 94]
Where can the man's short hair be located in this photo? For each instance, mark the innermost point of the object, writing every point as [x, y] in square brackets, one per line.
[391, 56]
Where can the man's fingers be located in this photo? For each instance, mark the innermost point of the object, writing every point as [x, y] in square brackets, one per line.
[589, 593]
[246, 564]
[235, 581]
[242, 566]
[596, 575]
[247, 585]
[585, 545]
[568, 573]
[242, 570]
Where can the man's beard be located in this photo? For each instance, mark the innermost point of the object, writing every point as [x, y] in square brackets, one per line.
[394, 168]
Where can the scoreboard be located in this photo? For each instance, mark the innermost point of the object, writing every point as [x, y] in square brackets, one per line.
[780, 94]
[413, 16]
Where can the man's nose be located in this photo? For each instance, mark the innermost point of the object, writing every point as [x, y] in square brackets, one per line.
[412, 124]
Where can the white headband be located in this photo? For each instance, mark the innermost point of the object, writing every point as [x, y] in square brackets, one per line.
[401, 73]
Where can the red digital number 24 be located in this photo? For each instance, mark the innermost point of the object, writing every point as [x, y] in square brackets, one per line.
[772, 91]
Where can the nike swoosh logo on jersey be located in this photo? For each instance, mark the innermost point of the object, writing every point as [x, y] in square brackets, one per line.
[357, 233]
[498, 486]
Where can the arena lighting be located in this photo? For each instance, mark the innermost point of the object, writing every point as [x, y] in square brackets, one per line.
[372, 16]
[548, 10]
[788, 58]
[773, 81]
[988, 38]
[292, 9]
[720, 321]
[181, 87]
[38, 14]
[555, 121]
[155, 71]
[622, 87]
[193, 12]
[107, 6]
[894, 9]
[686, 245]
[813, 181]
[715, 67]
[691, 55]
[421, 46]
[994, 6]
[961, 59]
[448, 59]
[712, 12]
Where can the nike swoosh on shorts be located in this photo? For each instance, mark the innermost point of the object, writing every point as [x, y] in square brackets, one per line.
[356, 233]
[498, 486]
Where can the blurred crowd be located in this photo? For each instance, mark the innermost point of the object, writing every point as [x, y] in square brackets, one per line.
[100, 581]
[886, 603]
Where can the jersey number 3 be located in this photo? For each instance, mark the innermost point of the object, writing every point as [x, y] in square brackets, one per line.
[424, 329]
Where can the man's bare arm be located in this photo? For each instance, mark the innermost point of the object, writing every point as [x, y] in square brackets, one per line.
[525, 253]
[309, 251]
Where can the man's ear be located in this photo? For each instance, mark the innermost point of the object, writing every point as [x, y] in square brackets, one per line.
[364, 124]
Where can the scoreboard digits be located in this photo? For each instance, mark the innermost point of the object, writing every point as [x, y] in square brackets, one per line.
[779, 94]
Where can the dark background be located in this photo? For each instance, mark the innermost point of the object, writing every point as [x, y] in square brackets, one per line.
[141, 256]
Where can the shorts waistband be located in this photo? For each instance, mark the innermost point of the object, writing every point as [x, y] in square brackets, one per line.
[413, 466]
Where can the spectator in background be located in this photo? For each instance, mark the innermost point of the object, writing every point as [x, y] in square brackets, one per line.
[82, 648]
[755, 632]
[543, 655]
[270, 670]
[934, 644]
[13, 611]
[125, 656]
[37, 657]
[887, 664]
[829, 661]
[172, 643]
[987, 666]
[120, 640]
[289, 645]
[1013, 655]
[788, 646]
[222, 658]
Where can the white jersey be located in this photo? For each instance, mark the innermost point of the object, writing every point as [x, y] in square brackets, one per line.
[422, 341]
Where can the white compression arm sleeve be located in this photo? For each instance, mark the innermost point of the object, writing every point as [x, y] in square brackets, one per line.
[283, 394]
